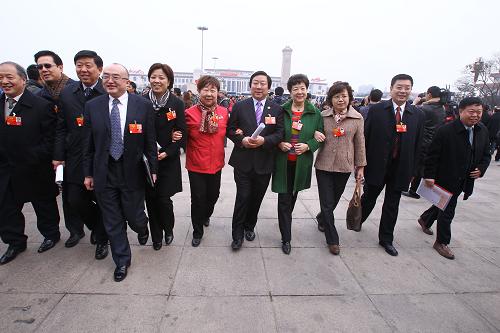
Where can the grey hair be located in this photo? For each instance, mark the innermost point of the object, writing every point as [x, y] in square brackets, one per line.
[19, 69]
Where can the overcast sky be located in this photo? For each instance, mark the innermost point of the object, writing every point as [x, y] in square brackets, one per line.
[362, 42]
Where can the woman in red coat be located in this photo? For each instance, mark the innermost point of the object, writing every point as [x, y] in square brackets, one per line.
[206, 127]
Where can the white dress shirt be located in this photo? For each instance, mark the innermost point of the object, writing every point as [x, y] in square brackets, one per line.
[6, 105]
[122, 107]
[394, 105]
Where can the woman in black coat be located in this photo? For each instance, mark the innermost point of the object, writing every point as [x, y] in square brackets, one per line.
[169, 117]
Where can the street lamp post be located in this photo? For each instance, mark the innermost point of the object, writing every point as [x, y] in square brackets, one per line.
[202, 28]
[215, 61]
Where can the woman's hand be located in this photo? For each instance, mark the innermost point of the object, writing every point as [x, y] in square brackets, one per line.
[162, 156]
[176, 136]
[360, 173]
[320, 137]
[301, 148]
[285, 146]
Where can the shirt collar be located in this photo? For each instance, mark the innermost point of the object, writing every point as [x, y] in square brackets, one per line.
[394, 105]
[91, 87]
[123, 99]
[256, 101]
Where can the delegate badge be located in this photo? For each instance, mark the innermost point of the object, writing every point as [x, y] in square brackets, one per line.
[135, 128]
[338, 131]
[401, 128]
[171, 115]
[269, 120]
[79, 121]
[297, 125]
[13, 121]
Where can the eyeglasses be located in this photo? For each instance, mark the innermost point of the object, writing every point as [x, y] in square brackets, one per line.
[41, 66]
[114, 77]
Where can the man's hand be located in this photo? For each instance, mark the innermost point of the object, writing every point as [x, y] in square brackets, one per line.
[55, 164]
[475, 174]
[248, 142]
[285, 146]
[176, 136]
[162, 156]
[238, 132]
[89, 183]
[320, 137]
[301, 148]
[154, 178]
[429, 182]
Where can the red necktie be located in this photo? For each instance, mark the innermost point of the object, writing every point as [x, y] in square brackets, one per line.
[395, 148]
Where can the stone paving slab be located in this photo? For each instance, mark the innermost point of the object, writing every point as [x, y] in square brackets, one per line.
[486, 304]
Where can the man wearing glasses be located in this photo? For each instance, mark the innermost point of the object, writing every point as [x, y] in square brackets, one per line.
[118, 131]
[253, 158]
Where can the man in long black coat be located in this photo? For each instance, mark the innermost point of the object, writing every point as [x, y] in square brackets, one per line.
[457, 156]
[393, 131]
[26, 174]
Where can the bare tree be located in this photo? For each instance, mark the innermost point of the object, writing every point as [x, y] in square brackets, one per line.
[482, 79]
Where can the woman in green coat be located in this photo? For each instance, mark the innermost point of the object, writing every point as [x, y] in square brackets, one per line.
[293, 166]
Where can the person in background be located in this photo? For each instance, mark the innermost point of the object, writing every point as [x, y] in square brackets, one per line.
[374, 98]
[35, 82]
[132, 87]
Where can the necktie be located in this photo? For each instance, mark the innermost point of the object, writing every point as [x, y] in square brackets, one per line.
[116, 147]
[471, 134]
[258, 112]
[8, 110]
[395, 148]
[87, 92]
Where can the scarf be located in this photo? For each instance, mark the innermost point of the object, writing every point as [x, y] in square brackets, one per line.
[55, 88]
[209, 120]
[339, 116]
[158, 103]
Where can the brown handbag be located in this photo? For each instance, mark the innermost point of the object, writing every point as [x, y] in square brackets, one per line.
[353, 216]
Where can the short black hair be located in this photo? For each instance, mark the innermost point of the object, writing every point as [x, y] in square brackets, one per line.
[166, 69]
[376, 95]
[177, 91]
[55, 57]
[435, 91]
[401, 77]
[297, 79]
[33, 73]
[269, 81]
[279, 91]
[338, 87]
[19, 69]
[133, 85]
[89, 54]
[468, 101]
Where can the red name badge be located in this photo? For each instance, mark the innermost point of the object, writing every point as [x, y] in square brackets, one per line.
[338, 131]
[297, 125]
[13, 121]
[79, 121]
[171, 115]
[135, 128]
[268, 120]
[401, 128]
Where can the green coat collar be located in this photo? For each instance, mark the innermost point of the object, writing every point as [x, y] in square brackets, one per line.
[308, 107]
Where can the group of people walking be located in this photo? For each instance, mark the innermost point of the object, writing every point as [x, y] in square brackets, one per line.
[110, 142]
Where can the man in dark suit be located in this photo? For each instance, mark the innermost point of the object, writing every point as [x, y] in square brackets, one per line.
[253, 159]
[457, 156]
[119, 131]
[26, 173]
[79, 204]
[393, 131]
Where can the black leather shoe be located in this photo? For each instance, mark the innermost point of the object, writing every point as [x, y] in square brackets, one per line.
[47, 244]
[411, 194]
[389, 248]
[11, 254]
[236, 244]
[286, 247]
[74, 239]
[157, 246]
[169, 238]
[101, 251]
[93, 238]
[143, 239]
[196, 242]
[249, 235]
[120, 273]
[206, 223]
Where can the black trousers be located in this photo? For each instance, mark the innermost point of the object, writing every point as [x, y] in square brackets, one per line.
[205, 189]
[80, 208]
[160, 214]
[12, 220]
[331, 185]
[119, 205]
[250, 190]
[286, 204]
[390, 207]
[444, 219]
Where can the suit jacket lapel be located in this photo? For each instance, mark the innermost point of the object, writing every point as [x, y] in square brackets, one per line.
[131, 115]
